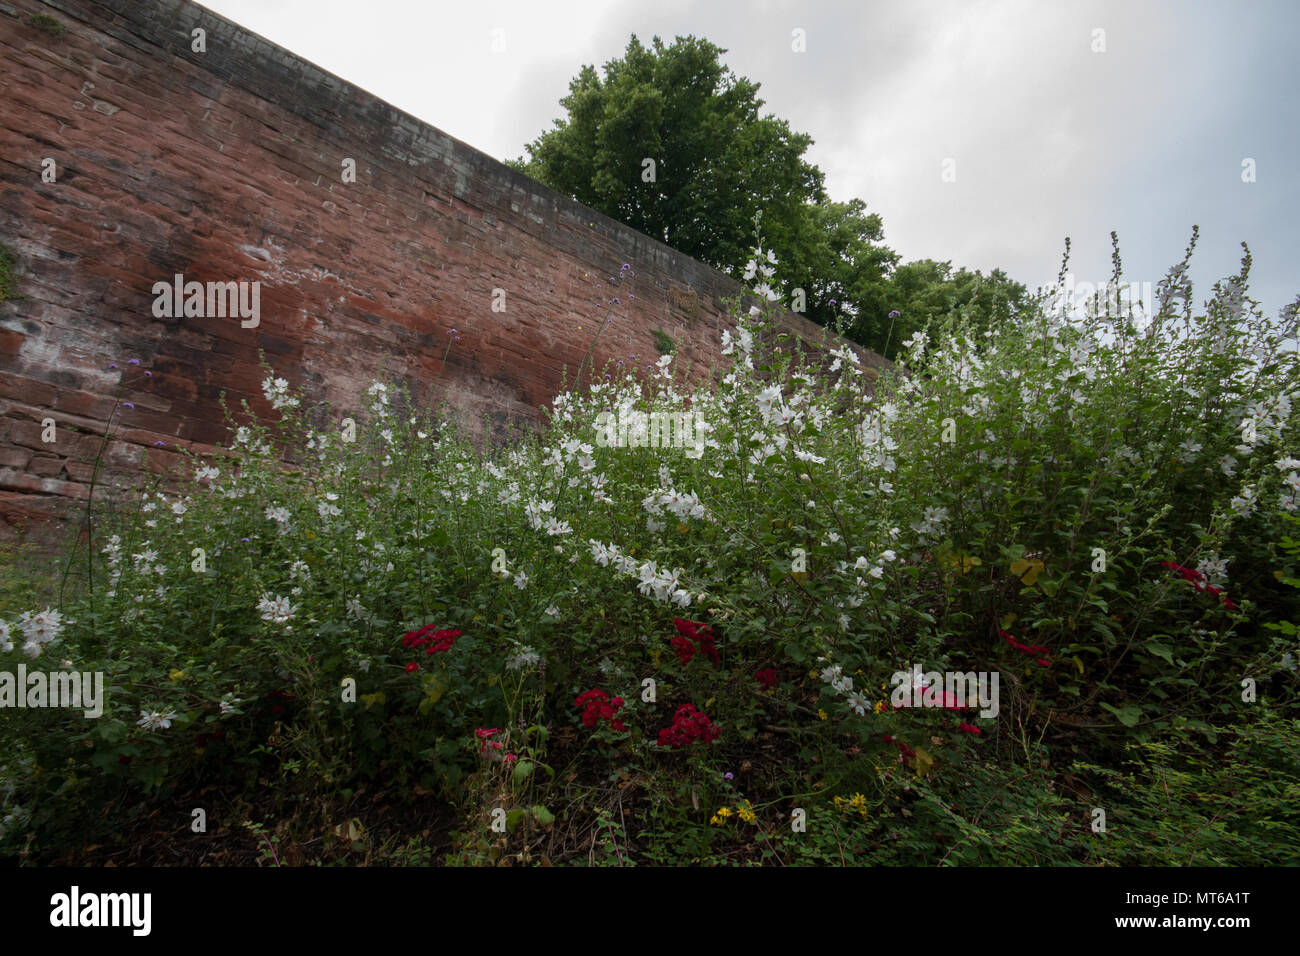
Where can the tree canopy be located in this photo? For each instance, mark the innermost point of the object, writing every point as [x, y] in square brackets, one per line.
[669, 141]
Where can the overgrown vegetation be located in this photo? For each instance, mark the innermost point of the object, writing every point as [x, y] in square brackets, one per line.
[574, 651]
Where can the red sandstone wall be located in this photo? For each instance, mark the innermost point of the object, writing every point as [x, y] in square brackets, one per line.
[226, 165]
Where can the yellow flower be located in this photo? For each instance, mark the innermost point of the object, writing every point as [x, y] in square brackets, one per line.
[821, 714]
[724, 812]
[746, 814]
[716, 821]
[880, 707]
[858, 801]
[177, 675]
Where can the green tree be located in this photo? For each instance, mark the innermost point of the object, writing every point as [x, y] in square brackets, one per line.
[923, 290]
[717, 162]
[718, 167]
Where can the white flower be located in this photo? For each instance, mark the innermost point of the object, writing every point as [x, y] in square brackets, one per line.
[1228, 465]
[931, 521]
[842, 685]
[275, 609]
[179, 508]
[1244, 503]
[858, 703]
[1188, 450]
[888, 556]
[227, 704]
[207, 473]
[278, 515]
[40, 628]
[831, 674]
[1214, 568]
[1287, 464]
[554, 527]
[524, 657]
[552, 611]
[521, 580]
[355, 609]
[155, 720]
[327, 509]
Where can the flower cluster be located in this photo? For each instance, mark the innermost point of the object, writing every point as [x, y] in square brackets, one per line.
[276, 391]
[38, 630]
[855, 804]
[600, 706]
[275, 609]
[431, 639]
[689, 725]
[490, 748]
[694, 639]
[745, 811]
[766, 678]
[840, 683]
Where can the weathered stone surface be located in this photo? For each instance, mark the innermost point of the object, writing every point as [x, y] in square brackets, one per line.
[227, 166]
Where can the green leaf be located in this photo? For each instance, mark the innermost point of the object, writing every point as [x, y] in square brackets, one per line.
[1128, 716]
[1160, 650]
[543, 816]
[522, 771]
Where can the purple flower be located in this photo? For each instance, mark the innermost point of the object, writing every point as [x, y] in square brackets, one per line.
[243, 539]
[895, 314]
[114, 365]
[451, 331]
[625, 267]
[133, 362]
[148, 374]
[128, 405]
[159, 444]
[616, 300]
[728, 775]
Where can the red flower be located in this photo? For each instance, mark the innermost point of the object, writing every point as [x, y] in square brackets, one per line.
[412, 667]
[689, 725]
[701, 634]
[684, 649]
[1030, 649]
[600, 707]
[766, 678]
[969, 728]
[904, 750]
[1195, 578]
[428, 636]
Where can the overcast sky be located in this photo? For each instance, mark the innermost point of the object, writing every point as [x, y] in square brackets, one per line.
[1048, 138]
